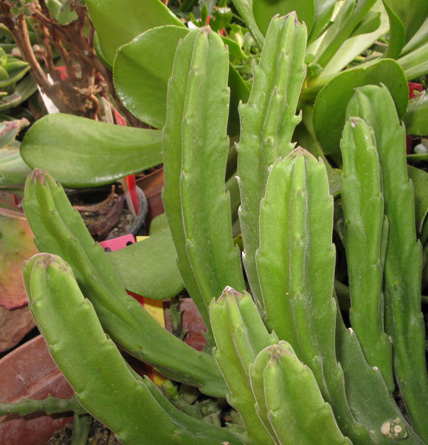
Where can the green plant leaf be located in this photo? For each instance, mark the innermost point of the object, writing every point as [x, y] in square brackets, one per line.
[415, 63]
[13, 169]
[354, 46]
[81, 152]
[405, 17]
[420, 184]
[330, 105]
[416, 117]
[156, 259]
[245, 10]
[323, 12]
[119, 21]
[142, 69]
[264, 10]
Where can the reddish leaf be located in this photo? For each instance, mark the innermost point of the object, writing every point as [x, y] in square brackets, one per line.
[14, 325]
[16, 246]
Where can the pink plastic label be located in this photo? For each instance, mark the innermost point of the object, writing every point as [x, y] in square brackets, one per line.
[117, 243]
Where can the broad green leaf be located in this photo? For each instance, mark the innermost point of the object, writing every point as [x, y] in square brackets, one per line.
[13, 170]
[81, 152]
[157, 275]
[264, 10]
[119, 21]
[406, 17]
[142, 69]
[330, 105]
[416, 117]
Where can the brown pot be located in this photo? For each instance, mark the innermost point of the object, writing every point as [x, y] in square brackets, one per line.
[152, 185]
[30, 372]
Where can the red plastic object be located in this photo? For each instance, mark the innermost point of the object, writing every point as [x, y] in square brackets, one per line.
[413, 87]
[130, 180]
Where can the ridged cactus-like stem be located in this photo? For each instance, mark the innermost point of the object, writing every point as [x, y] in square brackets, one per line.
[240, 335]
[403, 261]
[364, 225]
[296, 264]
[195, 154]
[60, 230]
[268, 121]
[103, 383]
[292, 400]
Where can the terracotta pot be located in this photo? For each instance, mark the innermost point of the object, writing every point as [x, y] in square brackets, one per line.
[30, 372]
[152, 185]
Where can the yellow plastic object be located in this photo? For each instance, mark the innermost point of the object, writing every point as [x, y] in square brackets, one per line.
[155, 309]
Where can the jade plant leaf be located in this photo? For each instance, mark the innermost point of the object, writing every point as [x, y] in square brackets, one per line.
[81, 152]
[156, 257]
[13, 170]
[119, 21]
[330, 105]
[405, 17]
[416, 117]
[420, 184]
[142, 69]
[16, 246]
[264, 10]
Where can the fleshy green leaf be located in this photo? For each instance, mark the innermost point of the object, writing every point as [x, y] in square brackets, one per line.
[157, 276]
[119, 21]
[142, 69]
[13, 169]
[330, 105]
[264, 10]
[81, 152]
[420, 184]
[416, 117]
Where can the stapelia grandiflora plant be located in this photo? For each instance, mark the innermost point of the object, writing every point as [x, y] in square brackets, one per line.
[282, 354]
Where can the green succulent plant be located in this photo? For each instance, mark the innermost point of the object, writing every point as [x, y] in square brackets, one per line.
[282, 354]
[349, 44]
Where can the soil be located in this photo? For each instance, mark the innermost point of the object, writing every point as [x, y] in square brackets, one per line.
[98, 435]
